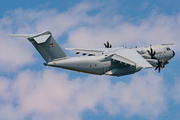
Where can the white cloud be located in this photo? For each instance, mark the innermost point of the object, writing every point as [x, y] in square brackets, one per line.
[155, 29]
[142, 95]
[14, 53]
[50, 94]
[175, 91]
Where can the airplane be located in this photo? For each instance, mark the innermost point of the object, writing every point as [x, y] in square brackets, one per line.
[118, 61]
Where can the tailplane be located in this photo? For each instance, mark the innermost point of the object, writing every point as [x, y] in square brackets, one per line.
[45, 45]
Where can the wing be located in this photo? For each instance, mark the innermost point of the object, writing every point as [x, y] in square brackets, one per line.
[124, 55]
[131, 57]
[93, 51]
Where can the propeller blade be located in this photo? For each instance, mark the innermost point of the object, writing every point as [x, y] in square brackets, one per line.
[151, 51]
[159, 69]
[154, 53]
[159, 66]
[107, 44]
[148, 52]
[156, 68]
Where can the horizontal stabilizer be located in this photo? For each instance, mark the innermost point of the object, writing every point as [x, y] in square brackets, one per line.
[21, 35]
[42, 38]
[39, 38]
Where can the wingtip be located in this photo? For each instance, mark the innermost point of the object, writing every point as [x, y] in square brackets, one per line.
[168, 44]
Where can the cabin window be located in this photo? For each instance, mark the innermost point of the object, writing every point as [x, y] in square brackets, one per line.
[168, 49]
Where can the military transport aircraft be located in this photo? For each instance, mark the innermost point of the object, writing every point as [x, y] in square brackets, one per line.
[102, 61]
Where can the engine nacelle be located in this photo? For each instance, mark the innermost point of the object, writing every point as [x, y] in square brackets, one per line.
[153, 62]
[123, 70]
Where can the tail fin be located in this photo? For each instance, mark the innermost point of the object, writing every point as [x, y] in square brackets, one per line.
[45, 45]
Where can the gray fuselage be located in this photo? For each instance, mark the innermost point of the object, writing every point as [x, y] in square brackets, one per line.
[100, 65]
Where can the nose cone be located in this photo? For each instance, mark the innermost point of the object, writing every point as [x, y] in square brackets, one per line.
[173, 53]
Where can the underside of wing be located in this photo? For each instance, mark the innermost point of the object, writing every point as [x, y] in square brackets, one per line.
[131, 57]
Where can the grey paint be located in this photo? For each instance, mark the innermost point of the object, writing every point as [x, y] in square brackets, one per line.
[49, 49]
[103, 62]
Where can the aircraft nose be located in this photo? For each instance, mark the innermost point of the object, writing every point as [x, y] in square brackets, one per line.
[173, 53]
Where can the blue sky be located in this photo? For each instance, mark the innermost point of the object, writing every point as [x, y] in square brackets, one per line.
[29, 90]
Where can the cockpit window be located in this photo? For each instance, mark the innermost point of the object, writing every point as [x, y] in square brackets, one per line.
[168, 49]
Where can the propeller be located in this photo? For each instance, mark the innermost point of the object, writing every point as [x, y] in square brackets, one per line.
[124, 45]
[159, 66]
[160, 63]
[107, 45]
[151, 53]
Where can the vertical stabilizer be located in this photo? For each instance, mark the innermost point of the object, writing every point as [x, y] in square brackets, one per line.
[47, 46]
